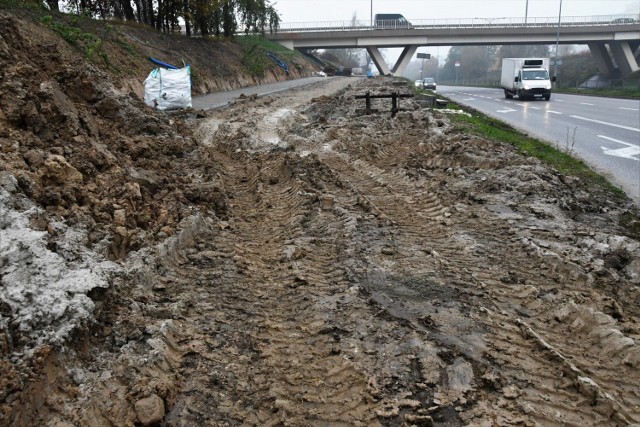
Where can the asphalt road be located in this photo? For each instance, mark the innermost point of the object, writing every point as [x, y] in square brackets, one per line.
[603, 132]
[221, 99]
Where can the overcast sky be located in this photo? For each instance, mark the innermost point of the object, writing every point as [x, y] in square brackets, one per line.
[343, 10]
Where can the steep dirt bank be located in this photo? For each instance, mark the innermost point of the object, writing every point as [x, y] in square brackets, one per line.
[290, 261]
[121, 51]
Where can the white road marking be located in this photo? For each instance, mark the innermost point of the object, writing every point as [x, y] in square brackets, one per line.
[506, 110]
[607, 123]
[522, 105]
[553, 112]
[627, 153]
[586, 103]
[535, 108]
[559, 100]
[469, 99]
[630, 109]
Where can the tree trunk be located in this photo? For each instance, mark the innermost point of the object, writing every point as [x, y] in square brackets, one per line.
[228, 20]
[187, 17]
[53, 5]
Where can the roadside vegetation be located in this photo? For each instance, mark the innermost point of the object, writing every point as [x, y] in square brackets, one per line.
[254, 53]
[73, 34]
[193, 18]
[613, 92]
[560, 157]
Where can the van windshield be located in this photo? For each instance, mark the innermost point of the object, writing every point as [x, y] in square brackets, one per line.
[535, 75]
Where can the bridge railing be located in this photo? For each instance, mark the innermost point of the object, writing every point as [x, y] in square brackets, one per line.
[517, 22]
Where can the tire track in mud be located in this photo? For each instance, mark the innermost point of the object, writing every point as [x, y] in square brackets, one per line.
[355, 282]
[530, 300]
[284, 262]
[322, 383]
[392, 197]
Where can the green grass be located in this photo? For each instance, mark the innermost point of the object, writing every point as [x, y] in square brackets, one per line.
[75, 36]
[255, 50]
[487, 127]
[264, 44]
[633, 93]
[496, 130]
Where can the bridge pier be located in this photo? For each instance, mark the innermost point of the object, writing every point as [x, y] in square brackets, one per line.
[603, 59]
[378, 60]
[624, 53]
[403, 60]
[400, 65]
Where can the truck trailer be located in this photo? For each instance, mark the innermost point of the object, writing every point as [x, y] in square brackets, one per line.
[526, 78]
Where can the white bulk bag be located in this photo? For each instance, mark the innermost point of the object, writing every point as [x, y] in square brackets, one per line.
[166, 89]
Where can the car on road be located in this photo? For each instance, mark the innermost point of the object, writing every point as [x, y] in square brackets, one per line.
[429, 83]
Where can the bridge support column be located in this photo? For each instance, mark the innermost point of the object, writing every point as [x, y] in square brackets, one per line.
[403, 60]
[398, 67]
[603, 59]
[377, 58]
[623, 55]
[635, 47]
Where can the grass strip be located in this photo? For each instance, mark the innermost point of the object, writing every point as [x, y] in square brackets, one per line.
[561, 159]
[481, 125]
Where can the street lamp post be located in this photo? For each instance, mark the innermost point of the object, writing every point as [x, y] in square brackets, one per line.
[437, 63]
[526, 12]
[457, 66]
[555, 61]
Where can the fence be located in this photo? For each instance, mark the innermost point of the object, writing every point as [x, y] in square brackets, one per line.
[608, 84]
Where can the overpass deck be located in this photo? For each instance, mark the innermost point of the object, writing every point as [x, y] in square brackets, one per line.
[620, 33]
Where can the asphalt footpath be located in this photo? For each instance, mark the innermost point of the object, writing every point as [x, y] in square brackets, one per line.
[215, 100]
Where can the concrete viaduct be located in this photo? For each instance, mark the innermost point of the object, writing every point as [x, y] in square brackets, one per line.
[614, 41]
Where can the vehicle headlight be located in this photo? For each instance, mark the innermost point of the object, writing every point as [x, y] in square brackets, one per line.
[548, 86]
[526, 87]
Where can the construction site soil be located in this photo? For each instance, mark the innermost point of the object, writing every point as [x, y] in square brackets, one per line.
[288, 260]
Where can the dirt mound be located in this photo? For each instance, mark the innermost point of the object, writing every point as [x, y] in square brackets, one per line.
[289, 260]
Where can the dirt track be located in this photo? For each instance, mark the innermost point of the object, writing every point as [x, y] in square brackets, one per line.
[358, 270]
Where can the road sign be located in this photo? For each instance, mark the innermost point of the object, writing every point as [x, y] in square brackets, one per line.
[457, 63]
[424, 55]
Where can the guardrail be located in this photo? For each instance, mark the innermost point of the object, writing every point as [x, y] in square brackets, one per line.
[566, 21]
[578, 84]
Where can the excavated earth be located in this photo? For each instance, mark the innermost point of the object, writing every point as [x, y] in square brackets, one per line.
[289, 260]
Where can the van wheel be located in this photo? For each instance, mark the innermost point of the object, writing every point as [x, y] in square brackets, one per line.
[547, 97]
[507, 94]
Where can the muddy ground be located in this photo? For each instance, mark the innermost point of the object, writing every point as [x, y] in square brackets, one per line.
[291, 261]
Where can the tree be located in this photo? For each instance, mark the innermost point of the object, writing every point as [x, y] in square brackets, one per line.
[204, 17]
[475, 63]
[415, 69]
